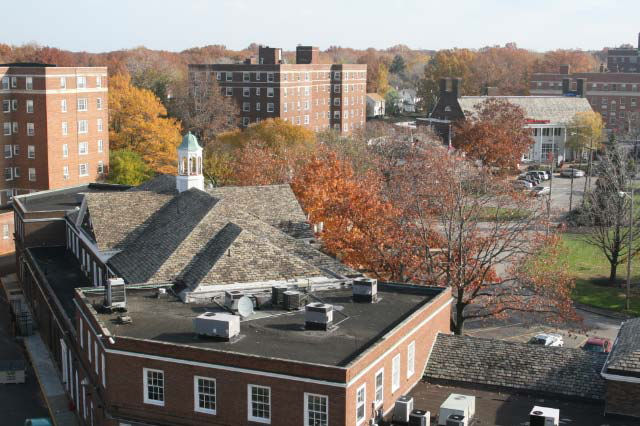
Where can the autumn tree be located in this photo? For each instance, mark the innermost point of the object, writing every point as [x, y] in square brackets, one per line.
[127, 168]
[578, 60]
[202, 108]
[138, 123]
[495, 134]
[398, 65]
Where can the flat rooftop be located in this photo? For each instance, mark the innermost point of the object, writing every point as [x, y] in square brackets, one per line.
[63, 199]
[272, 332]
[511, 408]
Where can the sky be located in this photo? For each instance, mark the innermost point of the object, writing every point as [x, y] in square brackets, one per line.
[99, 26]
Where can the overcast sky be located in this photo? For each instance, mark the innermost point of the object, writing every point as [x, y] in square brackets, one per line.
[179, 24]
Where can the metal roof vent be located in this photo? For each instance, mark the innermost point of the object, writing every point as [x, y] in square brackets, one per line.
[277, 294]
[365, 290]
[216, 324]
[293, 300]
[115, 294]
[231, 299]
[318, 316]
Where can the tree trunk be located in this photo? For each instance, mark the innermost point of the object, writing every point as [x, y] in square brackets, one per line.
[458, 325]
[613, 273]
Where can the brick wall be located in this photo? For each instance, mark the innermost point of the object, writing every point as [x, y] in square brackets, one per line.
[622, 398]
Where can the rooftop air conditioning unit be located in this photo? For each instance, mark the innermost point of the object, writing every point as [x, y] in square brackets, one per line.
[420, 418]
[293, 300]
[461, 405]
[231, 299]
[365, 290]
[544, 416]
[216, 324]
[277, 295]
[318, 316]
[402, 409]
[116, 297]
[456, 420]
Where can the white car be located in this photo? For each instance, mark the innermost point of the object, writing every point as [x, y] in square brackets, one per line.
[547, 339]
[540, 190]
[571, 172]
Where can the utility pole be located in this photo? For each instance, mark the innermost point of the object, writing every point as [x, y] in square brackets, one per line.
[629, 252]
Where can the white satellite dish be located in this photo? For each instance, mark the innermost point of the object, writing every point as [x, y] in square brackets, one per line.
[245, 306]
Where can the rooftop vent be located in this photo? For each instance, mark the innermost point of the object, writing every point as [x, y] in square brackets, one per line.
[219, 325]
[277, 295]
[463, 406]
[544, 416]
[402, 409]
[365, 290]
[231, 299]
[116, 297]
[293, 300]
[318, 316]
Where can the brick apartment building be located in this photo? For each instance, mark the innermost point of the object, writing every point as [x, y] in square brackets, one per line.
[307, 93]
[54, 127]
[179, 249]
[624, 59]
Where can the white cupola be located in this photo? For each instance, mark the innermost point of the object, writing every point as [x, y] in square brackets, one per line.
[189, 164]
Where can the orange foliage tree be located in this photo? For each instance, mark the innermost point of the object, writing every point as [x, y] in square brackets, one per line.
[495, 134]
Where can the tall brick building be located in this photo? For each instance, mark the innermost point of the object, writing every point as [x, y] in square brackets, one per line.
[54, 127]
[307, 93]
[624, 59]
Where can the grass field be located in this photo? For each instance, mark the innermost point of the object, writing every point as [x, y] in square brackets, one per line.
[591, 269]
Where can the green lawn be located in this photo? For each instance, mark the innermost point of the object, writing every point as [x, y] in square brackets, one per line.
[591, 270]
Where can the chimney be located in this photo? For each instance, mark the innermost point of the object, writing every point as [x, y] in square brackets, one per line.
[269, 55]
[601, 67]
[444, 82]
[564, 69]
[581, 87]
[307, 55]
[566, 85]
[455, 87]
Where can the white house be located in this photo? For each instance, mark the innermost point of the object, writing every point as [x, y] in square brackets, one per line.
[375, 105]
[408, 100]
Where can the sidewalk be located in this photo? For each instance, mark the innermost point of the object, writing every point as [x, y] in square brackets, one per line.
[49, 380]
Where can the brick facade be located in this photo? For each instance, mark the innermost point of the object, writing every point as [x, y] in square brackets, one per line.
[34, 158]
[622, 398]
[317, 96]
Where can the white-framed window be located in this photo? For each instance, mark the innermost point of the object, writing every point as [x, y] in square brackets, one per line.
[99, 123]
[361, 400]
[16, 150]
[16, 172]
[270, 77]
[95, 354]
[8, 151]
[29, 83]
[83, 126]
[153, 386]
[395, 373]
[336, 115]
[306, 119]
[270, 107]
[229, 91]
[83, 169]
[411, 359]
[8, 173]
[246, 92]
[5, 231]
[81, 82]
[83, 148]
[245, 121]
[246, 107]
[31, 130]
[65, 150]
[336, 102]
[284, 107]
[257, 76]
[378, 397]
[257, 91]
[100, 167]
[259, 403]
[32, 174]
[102, 364]
[14, 104]
[246, 76]
[83, 104]
[65, 172]
[7, 129]
[100, 145]
[63, 105]
[98, 103]
[31, 151]
[204, 394]
[336, 75]
[99, 81]
[270, 92]
[257, 106]
[5, 83]
[229, 75]
[316, 410]
[6, 106]
[218, 75]
[63, 82]
[65, 128]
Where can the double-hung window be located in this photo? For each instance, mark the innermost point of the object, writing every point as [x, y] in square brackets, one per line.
[8, 152]
[32, 174]
[83, 169]
[29, 83]
[6, 106]
[100, 145]
[31, 130]
[29, 106]
[229, 91]
[81, 82]
[99, 103]
[270, 92]
[379, 382]
[83, 104]
[83, 126]
[204, 389]
[65, 128]
[65, 150]
[229, 75]
[98, 81]
[246, 107]
[7, 129]
[270, 77]
[5, 83]
[63, 105]
[99, 124]
[269, 107]
[153, 386]
[395, 373]
[259, 404]
[63, 82]
[361, 399]
[316, 410]
[83, 148]
[411, 359]
[246, 92]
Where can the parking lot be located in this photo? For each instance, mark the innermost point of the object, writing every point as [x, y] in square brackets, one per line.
[561, 189]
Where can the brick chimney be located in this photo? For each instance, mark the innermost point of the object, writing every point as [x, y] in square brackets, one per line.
[269, 55]
[581, 87]
[455, 86]
[307, 55]
[444, 86]
[564, 69]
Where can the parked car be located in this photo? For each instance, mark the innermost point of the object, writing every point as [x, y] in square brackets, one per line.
[597, 344]
[571, 172]
[547, 339]
[522, 184]
[541, 174]
[540, 190]
[531, 178]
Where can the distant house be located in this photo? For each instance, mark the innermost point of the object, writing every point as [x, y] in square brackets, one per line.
[375, 105]
[547, 117]
[408, 100]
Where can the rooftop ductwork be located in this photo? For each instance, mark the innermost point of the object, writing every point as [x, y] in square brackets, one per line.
[318, 316]
[365, 290]
[219, 325]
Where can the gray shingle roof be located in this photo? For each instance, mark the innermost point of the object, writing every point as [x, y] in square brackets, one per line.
[625, 356]
[556, 109]
[539, 369]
